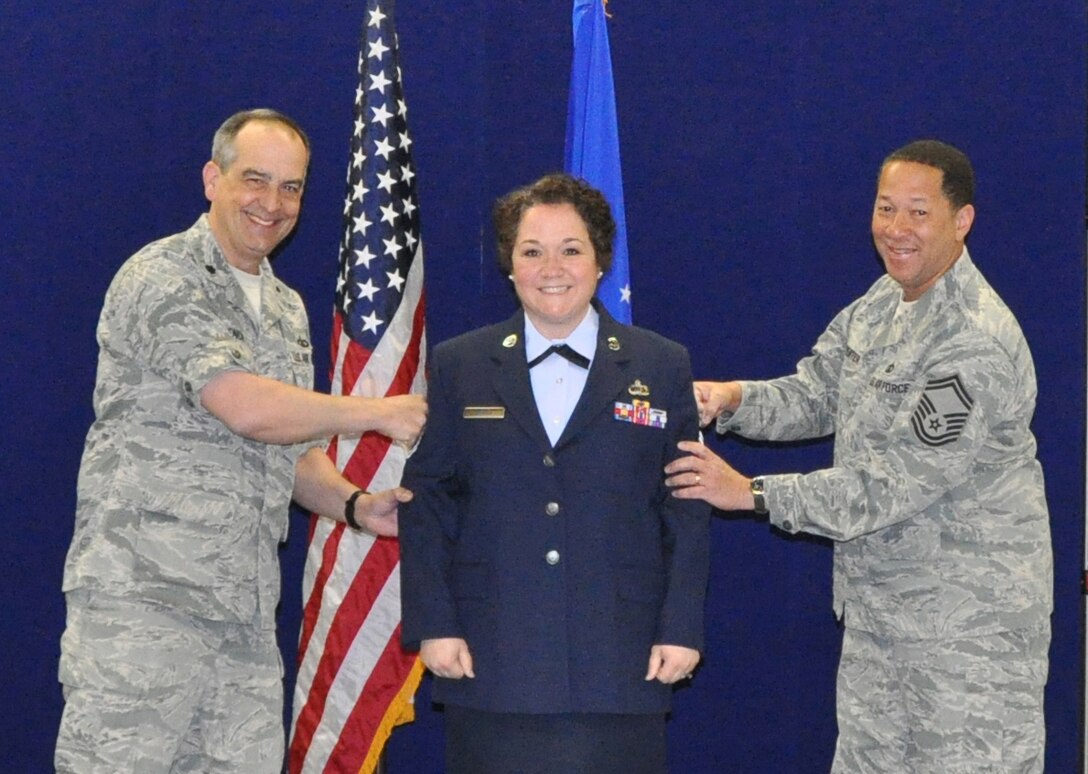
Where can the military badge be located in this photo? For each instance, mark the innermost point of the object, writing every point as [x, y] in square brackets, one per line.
[613, 344]
[510, 340]
[942, 411]
[638, 389]
[640, 412]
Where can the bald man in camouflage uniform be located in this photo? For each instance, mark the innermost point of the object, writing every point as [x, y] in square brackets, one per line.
[943, 567]
[205, 430]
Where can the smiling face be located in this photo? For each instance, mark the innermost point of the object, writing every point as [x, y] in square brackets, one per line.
[555, 268]
[916, 230]
[256, 199]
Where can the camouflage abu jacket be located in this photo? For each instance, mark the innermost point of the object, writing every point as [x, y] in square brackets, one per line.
[935, 498]
[172, 506]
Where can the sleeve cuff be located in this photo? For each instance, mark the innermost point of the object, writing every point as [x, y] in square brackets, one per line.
[778, 493]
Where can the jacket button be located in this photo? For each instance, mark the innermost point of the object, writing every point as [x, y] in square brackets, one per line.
[551, 509]
[787, 525]
[552, 557]
[549, 461]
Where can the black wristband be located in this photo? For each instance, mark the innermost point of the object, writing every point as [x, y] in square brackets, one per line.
[759, 495]
[349, 510]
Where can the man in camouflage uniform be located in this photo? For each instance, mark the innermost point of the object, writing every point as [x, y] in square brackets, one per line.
[205, 429]
[943, 567]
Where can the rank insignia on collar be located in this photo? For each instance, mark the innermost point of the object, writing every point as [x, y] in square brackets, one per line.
[942, 411]
[510, 340]
[638, 389]
[613, 344]
[639, 412]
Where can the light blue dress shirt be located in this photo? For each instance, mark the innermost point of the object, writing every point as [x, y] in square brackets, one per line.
[557, 383]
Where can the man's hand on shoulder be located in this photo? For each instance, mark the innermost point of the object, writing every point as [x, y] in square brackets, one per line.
[713, 398]
[704, 475]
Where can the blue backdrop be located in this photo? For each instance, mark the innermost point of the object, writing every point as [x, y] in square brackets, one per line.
[751, 135]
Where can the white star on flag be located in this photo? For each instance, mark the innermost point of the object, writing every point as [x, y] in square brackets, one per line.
[381, 115]
[383, 148]
[371, 322]
[361, 223]
[379, 82]
[395, 280]
[364, 256]
[386, 182]
[367, 289]
[377, 49]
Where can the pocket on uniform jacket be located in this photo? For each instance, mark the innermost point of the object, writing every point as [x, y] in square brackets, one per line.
[194, 539]
[125, 647]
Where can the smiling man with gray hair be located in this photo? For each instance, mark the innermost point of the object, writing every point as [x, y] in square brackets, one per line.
[206, 427]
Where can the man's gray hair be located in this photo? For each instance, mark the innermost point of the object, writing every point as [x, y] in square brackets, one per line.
[224, 151]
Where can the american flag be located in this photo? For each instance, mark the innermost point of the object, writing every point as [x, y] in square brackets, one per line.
[355, 683]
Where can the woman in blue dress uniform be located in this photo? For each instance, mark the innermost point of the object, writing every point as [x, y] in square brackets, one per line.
[553, 587]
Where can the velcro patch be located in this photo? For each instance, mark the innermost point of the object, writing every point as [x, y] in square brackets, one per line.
[942, 411]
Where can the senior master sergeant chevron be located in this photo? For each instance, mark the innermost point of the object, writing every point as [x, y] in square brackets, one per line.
[943, 567]
[205, 428]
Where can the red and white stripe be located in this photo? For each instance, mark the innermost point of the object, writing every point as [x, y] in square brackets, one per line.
[355, 683]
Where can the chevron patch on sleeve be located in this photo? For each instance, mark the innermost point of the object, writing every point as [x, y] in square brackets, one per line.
[942, 411]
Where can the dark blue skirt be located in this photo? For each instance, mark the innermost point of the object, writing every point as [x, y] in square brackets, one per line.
[578, 743]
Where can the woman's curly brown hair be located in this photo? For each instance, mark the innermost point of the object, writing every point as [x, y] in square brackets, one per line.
[558, 188]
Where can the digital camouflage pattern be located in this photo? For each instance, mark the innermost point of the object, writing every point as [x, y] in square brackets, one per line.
[935, 499]
[169, 659]
[172, 506]
[945, 706]
[943, 567]
[150, 689]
